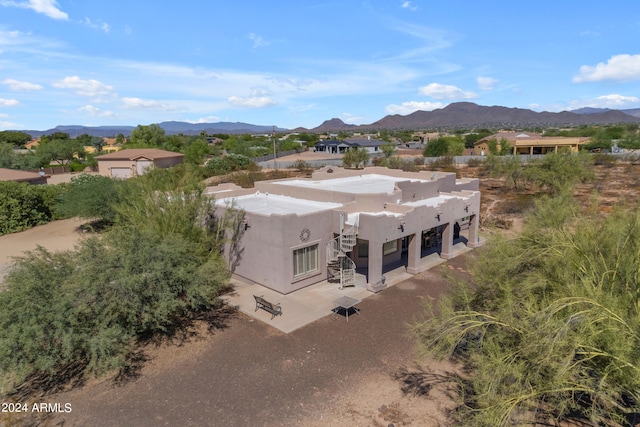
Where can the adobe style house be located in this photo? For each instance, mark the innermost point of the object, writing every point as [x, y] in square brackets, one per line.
[22, 176]
[298, 232]
[132, 162]
[531, 143]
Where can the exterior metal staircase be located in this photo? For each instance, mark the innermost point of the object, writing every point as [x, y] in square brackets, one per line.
[339, 265]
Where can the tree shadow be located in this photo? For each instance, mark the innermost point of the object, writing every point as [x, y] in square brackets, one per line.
[179, 333]
[420, 382]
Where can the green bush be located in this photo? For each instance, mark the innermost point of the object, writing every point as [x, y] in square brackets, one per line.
[80, 312]
[89, 197]
[76, 166]
[229, 163]
[23, 205]
[603, 159]
[475, 162]
[550, 328]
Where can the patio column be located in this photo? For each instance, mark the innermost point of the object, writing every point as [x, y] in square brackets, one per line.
[374, 275]
[447, 241]
[473, 240]
[413, 261]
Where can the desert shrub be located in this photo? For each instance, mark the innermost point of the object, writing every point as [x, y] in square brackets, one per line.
[474, 162]
[550, 328]
[556, 171]
[74, 313]
[442, 162]
[89, 197]
[23, 205]
[229, 163]
[520, 204]
[76, 165]
[301, 166]
[603, 159]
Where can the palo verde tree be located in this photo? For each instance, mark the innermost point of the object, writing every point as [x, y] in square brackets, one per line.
[68, 314]
[550, 328]
[355, 157]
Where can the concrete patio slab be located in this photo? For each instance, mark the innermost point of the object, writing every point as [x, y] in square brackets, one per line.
[314, 302]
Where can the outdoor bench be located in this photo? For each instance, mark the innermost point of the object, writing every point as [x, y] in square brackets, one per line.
[262, 303]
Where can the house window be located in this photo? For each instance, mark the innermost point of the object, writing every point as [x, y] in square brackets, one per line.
[390, 247]
[305, 260]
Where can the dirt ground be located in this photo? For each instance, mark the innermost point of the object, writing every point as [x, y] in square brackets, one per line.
[54, 236]
[241, 372]
[234, 371]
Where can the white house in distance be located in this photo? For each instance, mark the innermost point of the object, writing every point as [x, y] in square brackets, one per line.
[298, 232]
[134, 161]
[340, 146]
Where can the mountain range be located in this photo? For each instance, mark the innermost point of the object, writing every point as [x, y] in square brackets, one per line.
[456, 115]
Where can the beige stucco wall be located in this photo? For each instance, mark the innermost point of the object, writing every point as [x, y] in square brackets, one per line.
[270, 240]
[105, 165]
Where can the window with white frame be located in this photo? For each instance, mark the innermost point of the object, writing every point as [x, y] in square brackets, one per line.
[305, 260]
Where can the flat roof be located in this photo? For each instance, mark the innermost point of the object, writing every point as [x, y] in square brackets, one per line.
[268, 204]
[354, 217]
[361, 184]
[432, 201]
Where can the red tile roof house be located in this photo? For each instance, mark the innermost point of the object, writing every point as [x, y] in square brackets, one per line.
[132, 162]
[22, 176]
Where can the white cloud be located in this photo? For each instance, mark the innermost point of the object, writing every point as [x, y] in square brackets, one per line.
[8, 102]
[100, 25]
[618, 68]
[145, 104]
[251, 102]
[352, 118]
[440, 91]
[9, 125]
[486, 83]
[409, 5]
[208, 119]
[16, 85]
[616, 100]
[613, 101]
[257, 40]
[47, 7]
[95, 111]
[84, 87]
[412, 106]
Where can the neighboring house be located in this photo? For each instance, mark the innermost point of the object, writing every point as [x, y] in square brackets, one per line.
[298, 232]
[32, 144]
[341, 146]
[23, 176]
[331, 146]
[530, 143]
[371, 145]
[90, 149]
[135, 161]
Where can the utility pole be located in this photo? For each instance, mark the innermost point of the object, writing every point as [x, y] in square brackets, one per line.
[273, 135]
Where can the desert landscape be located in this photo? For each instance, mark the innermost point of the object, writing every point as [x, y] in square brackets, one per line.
[229, 369]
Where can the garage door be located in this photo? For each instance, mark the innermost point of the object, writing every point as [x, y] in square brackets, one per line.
[121, 173]
[143, 165]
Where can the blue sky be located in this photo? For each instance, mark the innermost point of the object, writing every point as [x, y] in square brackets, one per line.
[293, 64]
